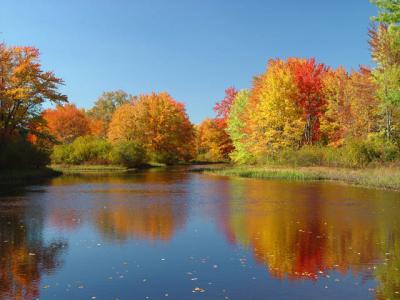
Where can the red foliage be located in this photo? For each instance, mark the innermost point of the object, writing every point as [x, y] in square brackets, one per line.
[309, 79]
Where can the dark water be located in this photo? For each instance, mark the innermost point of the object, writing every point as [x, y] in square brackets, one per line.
[180, 235]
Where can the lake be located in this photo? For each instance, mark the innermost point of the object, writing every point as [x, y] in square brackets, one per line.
[175, 234]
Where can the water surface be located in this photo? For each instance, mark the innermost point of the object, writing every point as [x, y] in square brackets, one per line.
[173, 234]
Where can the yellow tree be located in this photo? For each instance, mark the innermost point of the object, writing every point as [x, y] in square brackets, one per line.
[275, 121]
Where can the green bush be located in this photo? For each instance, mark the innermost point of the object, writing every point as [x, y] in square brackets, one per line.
[128, 154]
[88, 150]
[21, 154]
[352, 154]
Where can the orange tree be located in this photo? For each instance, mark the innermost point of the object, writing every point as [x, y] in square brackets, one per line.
[158, 123]
[24, 87]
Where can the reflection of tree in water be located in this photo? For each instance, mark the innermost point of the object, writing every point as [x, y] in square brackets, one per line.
[297, 232]
[157, 220]
[153, 209]
[24, 257]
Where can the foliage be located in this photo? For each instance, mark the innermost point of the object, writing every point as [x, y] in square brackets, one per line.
[85, 149]
[222, 109]
[66, 123]
[18, 153]
[105, 106]
[159, 124]
[236, 127]
[274, 119]
[385, 46]
[24, 87]
[308, 76]
[208, 139]
[128, 154]
[389, 11]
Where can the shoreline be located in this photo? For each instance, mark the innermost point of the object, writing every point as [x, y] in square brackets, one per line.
[387, 178]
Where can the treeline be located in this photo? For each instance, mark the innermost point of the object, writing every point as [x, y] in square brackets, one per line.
[305, 113]
[297, 112]
[118, 129]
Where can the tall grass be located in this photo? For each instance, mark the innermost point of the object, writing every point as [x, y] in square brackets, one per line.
[382, 177]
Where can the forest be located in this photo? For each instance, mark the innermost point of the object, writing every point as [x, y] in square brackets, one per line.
[298, 112]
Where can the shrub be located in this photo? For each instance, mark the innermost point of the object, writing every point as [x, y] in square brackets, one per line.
[21, 154]
[88, 149]
[352, 154]
[128, 154]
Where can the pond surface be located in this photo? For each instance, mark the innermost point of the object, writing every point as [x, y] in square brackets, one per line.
[173, 234]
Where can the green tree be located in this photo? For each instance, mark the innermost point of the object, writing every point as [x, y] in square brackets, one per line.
[236, 127]
[106, 105]
[389, 11]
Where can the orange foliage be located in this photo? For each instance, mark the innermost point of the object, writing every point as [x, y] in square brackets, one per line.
[157, 122]
[67, 122]
[210, 140]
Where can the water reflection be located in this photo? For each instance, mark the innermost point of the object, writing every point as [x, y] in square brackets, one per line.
[24, 256]
[301, 232]
[293, 232]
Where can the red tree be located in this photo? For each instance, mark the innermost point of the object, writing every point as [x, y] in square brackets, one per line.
[222, 109]
[309, 79]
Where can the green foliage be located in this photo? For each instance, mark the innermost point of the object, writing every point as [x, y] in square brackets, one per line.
[128, 154]
[353, 154]
[107, 103]
[389, 11]
[236, 127]
[21, 154]
[88, 149]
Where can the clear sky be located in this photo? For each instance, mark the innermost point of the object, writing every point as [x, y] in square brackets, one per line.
[193, 49]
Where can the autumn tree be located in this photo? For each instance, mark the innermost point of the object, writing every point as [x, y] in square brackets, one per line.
[351, 109]
[222, 110]
[275, 121]
[157, 122]
[105, 106]
[236, 127]
[66, 123]
[24, 87]
[385, 47]
[308, 76]
[209, 135]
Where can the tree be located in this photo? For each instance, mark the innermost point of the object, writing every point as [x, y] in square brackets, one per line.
[157, 122]
[66, 123]
[222, 109]
[237, 127]
[274, 120]
[308, 76]
[24, 87]
[106, 105]
[351, 106]
[209, 137]
[385, 47]
[389, 11]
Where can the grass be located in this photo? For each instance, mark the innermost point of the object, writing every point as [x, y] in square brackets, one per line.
[380, 177]
[87, 169]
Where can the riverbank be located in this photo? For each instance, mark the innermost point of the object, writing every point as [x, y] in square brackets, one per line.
[88, 169]
[16, 176]
[382, 178]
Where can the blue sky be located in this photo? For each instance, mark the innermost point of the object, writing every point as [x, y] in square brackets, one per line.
[193, 49]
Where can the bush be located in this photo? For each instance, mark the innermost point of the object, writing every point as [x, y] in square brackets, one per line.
[128, 154]
[88, 150]
[21, 154]
[352, 154]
